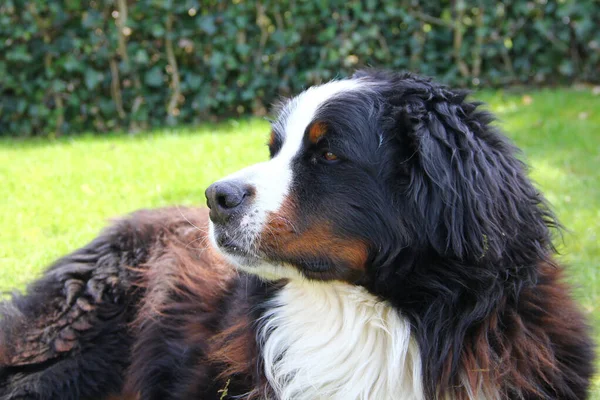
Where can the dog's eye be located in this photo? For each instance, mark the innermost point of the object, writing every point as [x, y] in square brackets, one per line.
[329, 156]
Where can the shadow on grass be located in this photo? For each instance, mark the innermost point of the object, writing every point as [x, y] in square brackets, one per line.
[222, 128]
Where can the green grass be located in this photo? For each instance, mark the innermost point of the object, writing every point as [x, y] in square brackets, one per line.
[57, 194]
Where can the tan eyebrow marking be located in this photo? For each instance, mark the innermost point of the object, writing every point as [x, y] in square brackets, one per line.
[272, 138]
[316, 131]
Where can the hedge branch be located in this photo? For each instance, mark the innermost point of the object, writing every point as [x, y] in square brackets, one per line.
[174, 70]
[282, 46]
[433, 20]
[458, 39]
[383, 44]
[507, 61]
[478, 44]
[262, 22]
[43, 26]
[122, 45]
[121, 24]
[115, 88]
[416, 57]
[58, 101]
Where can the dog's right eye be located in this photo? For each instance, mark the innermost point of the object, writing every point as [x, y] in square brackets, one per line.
[329, 156]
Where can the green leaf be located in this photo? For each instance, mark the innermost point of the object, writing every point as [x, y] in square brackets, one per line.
[141, 57]
[72, 64]
[19, 53]
[92, 78]
[58, 86]
[154, 77]
[207, 24]
[194, 81]
[158, 30]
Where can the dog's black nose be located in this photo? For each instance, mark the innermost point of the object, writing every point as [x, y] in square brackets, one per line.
[225, 199]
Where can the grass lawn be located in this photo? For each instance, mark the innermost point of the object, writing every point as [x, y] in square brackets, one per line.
[57, 194]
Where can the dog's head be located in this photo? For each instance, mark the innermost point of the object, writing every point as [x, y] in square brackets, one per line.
[365, 168]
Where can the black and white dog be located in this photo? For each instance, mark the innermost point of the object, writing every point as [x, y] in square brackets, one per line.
[391, 248]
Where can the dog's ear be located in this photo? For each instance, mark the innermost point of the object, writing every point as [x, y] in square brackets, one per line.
[466, 184]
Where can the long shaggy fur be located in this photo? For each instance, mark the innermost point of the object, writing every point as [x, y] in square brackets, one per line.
[439, 245]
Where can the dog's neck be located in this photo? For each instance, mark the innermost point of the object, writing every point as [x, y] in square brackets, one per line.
[331, 340]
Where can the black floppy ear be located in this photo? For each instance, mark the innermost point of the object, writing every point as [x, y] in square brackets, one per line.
[471, 192]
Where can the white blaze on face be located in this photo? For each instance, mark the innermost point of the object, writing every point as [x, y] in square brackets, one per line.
[272, 179]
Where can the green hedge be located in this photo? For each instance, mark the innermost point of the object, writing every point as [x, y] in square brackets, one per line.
[77, 65]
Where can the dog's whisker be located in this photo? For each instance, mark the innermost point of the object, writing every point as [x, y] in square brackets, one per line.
[186, 218]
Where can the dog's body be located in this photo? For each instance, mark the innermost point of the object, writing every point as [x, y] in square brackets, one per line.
[392, 248]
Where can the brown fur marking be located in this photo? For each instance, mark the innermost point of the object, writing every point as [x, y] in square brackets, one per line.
[272, 138]
[318, 241]
[231, 349]
[316, 131]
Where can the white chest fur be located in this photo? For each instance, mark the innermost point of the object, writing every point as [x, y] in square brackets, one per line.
[330, 340]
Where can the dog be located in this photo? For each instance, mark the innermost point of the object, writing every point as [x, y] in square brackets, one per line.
[392, 247]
